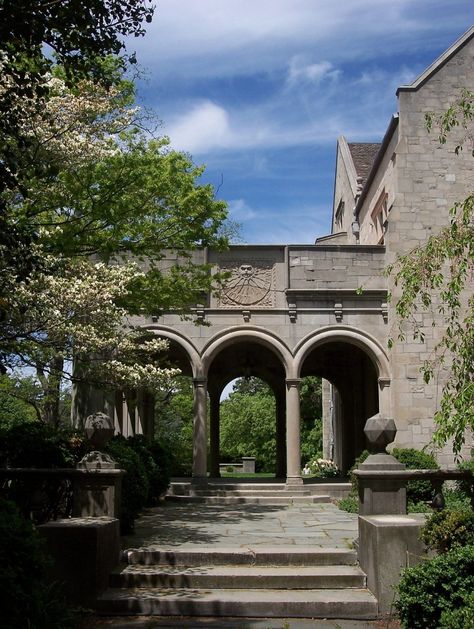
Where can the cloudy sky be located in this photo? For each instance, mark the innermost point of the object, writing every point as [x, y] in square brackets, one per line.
[259, 91]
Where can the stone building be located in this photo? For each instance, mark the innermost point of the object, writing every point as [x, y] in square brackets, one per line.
[289, 311]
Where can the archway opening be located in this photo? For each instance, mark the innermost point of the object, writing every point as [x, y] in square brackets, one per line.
[174, 413]
[251, 421]
[350, 397]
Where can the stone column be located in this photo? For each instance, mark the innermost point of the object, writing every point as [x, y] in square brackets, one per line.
[280, 464]
[293, 446]
[214, 429]
[200, 430]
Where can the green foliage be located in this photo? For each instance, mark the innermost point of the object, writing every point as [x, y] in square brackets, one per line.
[27, 600]
[135, 484]
[13, 408]
[174, 425]
[465, 486]
[435, 586]
[460, 618]
[32, 444]
[350, 503]
[449, 528]
[156, 462]
[248, 429]
[417, 490]
[311, 418]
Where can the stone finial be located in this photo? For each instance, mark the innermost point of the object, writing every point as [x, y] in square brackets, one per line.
[380, 431]
[99, 429]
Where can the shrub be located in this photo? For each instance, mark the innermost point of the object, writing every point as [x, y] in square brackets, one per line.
[435, 586]
[417, 490]
[324, 468]
[27, 600]
[460, 618]
[463, 485]
[33, 444]
[134, 484]
[449, 528]
[350, 503]
[156, 464]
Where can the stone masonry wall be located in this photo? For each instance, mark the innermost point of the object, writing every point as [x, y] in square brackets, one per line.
[430, 178]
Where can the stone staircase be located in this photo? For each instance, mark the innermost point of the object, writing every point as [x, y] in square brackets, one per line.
[275, 493]
[294, 579]
[281, 582]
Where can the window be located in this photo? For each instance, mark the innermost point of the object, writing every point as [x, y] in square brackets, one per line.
[339, 214]
[379, 218]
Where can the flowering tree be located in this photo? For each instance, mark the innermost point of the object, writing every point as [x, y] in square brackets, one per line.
[107, 203]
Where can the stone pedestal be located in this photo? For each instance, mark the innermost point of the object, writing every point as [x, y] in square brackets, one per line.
[379, 495]
[248, 465]
[97, 493]
[387, 545]
[84, 552]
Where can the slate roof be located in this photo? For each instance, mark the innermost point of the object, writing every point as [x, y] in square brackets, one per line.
[363, 155]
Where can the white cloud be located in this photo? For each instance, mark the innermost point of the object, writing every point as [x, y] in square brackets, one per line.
[240, 211]
[217, 38]
[201, 129]
[301, 71]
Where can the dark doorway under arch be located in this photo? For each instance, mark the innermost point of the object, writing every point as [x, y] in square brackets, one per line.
[354, 395]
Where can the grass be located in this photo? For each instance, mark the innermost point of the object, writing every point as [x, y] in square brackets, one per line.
[241, 475]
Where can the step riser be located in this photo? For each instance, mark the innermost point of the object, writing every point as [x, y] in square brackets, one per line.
[244, 493]
[236, 582]
[242, 558]
[280, 609]
[229, 500]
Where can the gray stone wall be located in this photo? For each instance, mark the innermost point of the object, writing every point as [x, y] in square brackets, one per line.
[430, 178]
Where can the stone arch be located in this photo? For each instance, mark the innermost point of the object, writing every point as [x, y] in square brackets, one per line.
[254, 334]
[344, 333]
[356, 378]
[184, 343]
[246, 350]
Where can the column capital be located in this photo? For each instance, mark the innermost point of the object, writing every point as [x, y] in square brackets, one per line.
[293, 382]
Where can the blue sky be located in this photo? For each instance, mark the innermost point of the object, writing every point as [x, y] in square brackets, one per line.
[260, 90]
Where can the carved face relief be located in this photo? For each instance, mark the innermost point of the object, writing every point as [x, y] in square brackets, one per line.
[248, 285]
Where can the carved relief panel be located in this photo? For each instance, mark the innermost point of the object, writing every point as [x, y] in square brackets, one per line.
[250, 284]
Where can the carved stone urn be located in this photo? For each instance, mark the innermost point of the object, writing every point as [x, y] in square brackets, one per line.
[99, 429]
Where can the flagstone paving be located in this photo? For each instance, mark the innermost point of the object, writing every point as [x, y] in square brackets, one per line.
[188, 526]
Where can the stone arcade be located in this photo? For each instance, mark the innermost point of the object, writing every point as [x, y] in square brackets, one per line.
[295, 310]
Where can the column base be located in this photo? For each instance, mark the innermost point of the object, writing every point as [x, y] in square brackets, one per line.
[294, 483]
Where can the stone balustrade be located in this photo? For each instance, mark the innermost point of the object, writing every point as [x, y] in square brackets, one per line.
[380, 490]
[72, 492]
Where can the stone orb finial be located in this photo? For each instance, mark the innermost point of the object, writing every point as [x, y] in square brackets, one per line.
[380, 431]
[99, 429]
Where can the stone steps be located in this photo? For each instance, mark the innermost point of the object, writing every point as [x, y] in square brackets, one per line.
[245, 499]
[269, 582]
[239, 577]
[248, 490]
[255, 603]
[261, 556]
